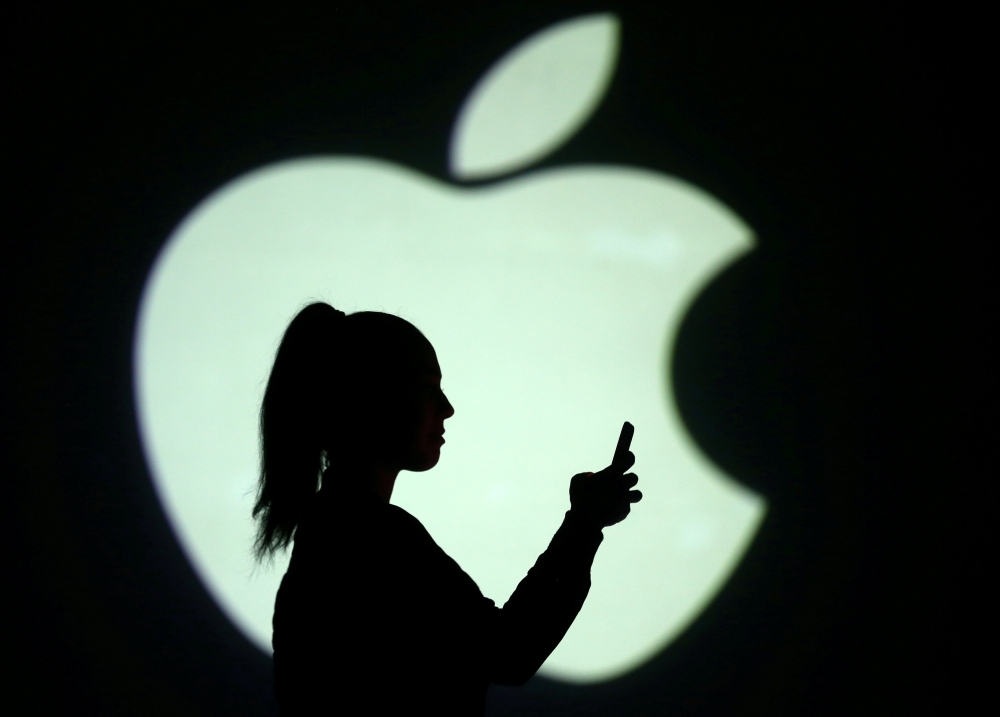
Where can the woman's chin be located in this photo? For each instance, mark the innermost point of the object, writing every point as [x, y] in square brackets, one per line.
[427, 460]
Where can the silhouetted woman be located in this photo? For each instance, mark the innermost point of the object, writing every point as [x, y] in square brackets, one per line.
[372, 616]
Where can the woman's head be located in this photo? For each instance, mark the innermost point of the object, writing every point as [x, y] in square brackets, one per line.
[349, 392]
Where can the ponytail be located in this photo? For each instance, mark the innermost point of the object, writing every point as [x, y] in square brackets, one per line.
[331, 397]
[294, 419]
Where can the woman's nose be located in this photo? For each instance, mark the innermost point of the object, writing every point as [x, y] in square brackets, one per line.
[449, 410]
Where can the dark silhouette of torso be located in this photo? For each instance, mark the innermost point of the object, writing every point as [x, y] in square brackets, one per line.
[373, 617]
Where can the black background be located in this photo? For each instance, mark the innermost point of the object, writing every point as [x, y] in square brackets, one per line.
[820, 370]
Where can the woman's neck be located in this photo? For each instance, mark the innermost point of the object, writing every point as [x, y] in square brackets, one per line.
[383, 479]
[376, 477]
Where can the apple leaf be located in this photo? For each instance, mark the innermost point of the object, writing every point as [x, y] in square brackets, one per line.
[535, 97]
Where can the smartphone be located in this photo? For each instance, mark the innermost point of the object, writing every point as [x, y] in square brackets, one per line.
[624, 441]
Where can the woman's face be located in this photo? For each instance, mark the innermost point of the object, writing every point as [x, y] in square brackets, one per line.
[429, 408]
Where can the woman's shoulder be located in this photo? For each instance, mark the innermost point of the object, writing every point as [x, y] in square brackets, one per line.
[342, 516]
[404, 519]
[408, 528]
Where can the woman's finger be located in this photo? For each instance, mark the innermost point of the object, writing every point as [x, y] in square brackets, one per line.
[634, 496]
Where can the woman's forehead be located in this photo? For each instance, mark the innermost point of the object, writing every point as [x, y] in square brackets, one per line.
[428, 362]
[416, 358]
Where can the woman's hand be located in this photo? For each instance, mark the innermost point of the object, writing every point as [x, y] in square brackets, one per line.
[605, 498]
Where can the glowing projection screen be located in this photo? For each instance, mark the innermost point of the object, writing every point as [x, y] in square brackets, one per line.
[553, 300]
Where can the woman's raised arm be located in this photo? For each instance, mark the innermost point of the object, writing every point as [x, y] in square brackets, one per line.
[522, 634]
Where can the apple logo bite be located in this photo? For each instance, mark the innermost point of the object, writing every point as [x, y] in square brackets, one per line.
[553, 299]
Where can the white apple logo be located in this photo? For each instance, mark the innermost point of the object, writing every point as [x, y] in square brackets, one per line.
[553, 300]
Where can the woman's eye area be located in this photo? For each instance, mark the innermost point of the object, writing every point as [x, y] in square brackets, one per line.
[429, 389]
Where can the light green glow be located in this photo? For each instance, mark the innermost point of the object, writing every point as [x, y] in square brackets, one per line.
[553, 302]
[535, 97]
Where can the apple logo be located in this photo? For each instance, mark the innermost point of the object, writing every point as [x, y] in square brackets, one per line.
[553, 299]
